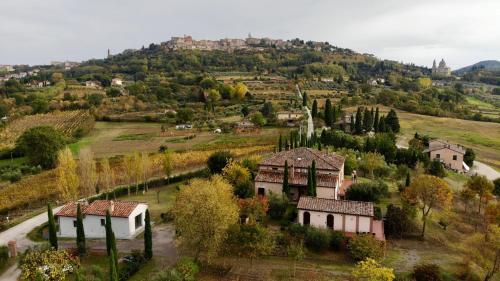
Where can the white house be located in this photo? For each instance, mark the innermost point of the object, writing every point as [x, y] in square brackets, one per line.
[116, 82]
[350, 217]
[127, 218]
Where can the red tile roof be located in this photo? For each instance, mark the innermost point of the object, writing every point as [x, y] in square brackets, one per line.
[336, 206]
[298, 178]
[303, 157]
[99, 208]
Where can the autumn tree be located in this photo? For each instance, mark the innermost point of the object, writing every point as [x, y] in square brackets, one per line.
[428, 192]
[168, 165]
[128, 163]
[51, 264]
[297, 252]
[239, 177]
[87, 171]
[371, 161]
[203, 211]
[371, 270]
[482, 187]
[106, 176]
[146, 165]
[239, 92]
[484, 251]
[67, 178]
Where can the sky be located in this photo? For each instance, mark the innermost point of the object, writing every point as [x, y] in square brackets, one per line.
[460, 31]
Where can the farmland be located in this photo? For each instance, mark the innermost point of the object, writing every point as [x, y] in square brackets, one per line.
[67, 122]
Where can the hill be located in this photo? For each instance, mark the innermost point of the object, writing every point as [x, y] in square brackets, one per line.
[482, 65]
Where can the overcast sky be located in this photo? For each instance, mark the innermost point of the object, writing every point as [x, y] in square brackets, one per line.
[460, 31]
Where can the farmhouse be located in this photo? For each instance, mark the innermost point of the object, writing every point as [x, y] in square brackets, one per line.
[244, 126]
[92, 84]
[350, 217]
[451, 155]
[329, 173]
[291, 118]
[127, 218]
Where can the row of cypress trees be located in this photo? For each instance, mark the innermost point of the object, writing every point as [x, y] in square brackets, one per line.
[110, 238]
[367, 120]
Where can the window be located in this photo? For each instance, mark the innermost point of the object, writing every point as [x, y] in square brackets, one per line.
[329, 221]
[454, 157]
[103, 222]
[438, 156]
[261, 191]
[138, 221]
[74, 223]
[307, 218]
[275, 169]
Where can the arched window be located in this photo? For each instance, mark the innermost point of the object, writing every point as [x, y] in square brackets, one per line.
[329, 221]
[307, 218]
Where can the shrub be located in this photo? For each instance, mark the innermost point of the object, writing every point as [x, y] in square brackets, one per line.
[317, 239]
[187, 268]
[436, 169]
[297, 231]
[4, 255]
[40, 145]
[427, 272]
[131, 266]
[362, 247]
[337, 240]
[218, 160]
[371, 192]
[397, 221]
[277, 206]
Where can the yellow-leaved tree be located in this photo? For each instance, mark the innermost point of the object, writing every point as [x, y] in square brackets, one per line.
[67, 178]
[429, 192]
[203, 212]
[371, 270]
[54, 265]
[106, 176]
[239, 91]
[87, 171]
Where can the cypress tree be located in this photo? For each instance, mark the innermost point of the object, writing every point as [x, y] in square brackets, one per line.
[319, 145]
[280, 144]
[367, 120]
[352, 127]
[148, 237]
[358, 126]
[313, 177]
[52, 228]
[376, 120]
[286, 187]
[114, 251]
[314, 110]
[408, 180]
[108, 233]
[304, 99]
[310, 191]
[113, 270]
[328, 112]
[381, 125]
[80, 232]
[392, 121]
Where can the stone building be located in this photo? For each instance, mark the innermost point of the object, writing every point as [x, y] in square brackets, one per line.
[442, 70]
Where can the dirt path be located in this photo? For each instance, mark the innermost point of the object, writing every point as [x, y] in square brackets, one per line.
[485, 170]
[310, 123]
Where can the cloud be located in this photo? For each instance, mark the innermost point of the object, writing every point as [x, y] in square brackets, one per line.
[461, 31]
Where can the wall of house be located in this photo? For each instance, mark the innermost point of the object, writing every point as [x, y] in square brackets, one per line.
[446, 156]
[275, 188]
[132, 230]
[93, 228]
[326, 192]
[318, 219]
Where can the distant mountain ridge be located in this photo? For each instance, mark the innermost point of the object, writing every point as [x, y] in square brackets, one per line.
[486, 65]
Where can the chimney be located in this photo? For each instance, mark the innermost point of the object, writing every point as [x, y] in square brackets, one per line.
[111, 206]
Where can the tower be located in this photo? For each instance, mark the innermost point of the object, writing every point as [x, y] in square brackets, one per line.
[109, 53]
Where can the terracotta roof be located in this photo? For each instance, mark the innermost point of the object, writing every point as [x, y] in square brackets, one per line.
[298, 178]
[99, 208]
[336, 206]
[445, 145]
[303, 157]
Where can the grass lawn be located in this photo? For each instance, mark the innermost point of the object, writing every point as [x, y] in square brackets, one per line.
[13, 162]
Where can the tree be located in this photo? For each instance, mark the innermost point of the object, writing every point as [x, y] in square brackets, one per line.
[239, 92]
[203, 211]
[297, 252]
[286, 187]
[381, 125]
[87, 171]
[51, 264]
[371, 161]
[80, 232]
[482, 187]
[371, 270]
[397, 221]
[113, 271]
[427, 272]
[436, 168]
[314, 110]
[250, 241]
[280, 144]
[367, 120]
[469, 157]
[304, 99]
[496, 191]
[361, 247]
[52, 228]
[376, 120]
[310, 187]
[408, 179]
[40, 145]
[428, 192]
[314, 177]
[168, 166]
[239, 177]
[218, 160]
[67, 178]
[106, 176]
[484, 251]
[392, 121]
[328, 112]
[109, 230]
[148, 237]
[358, 125]
[258, 119]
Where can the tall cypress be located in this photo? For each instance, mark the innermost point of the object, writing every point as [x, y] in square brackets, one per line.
[367, 122]
[376, 120]
[52, 228]
[109, 231]
[80, 232]
[148, 237]
[310, 191]
[113, 270]
[352, 127]
[392, 121]
[314, 110]
[286, 187]
[358, 126]
[280, 144]
[328, 112]
[304, 99]
[313, 177]
[408, 180]
[381, 125]
[114, 251]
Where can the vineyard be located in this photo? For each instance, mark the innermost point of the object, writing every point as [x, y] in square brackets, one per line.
[67, 122]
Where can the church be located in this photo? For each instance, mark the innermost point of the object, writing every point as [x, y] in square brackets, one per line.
[441, 70]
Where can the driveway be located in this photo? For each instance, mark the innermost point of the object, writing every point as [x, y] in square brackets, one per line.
[485, 170]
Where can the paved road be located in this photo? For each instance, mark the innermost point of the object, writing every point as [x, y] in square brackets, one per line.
[485, 170]
[310, 124]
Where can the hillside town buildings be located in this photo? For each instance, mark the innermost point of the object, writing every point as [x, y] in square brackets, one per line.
[187, 42]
